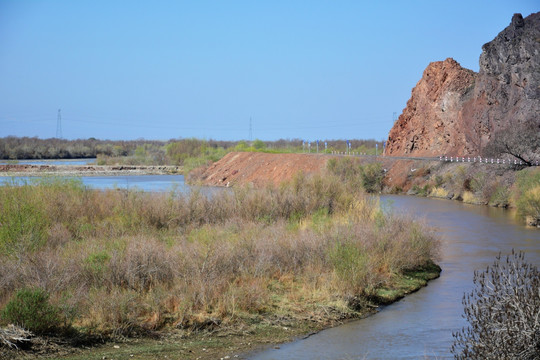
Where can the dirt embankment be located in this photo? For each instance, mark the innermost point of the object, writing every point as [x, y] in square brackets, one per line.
[259, 169]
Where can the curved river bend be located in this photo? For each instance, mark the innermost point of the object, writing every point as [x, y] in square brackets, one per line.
[420, 326]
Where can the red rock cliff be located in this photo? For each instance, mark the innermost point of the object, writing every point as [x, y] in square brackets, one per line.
[455, 111]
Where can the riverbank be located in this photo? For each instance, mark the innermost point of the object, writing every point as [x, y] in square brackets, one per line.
[224, 342]
[87, 170]
[499, 185]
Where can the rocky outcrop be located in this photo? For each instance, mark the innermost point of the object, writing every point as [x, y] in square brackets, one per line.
[431, 122]
[455, 111]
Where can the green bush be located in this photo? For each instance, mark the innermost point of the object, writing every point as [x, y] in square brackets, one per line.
[259, 144]
[347, 169]
[351, 266]
[528, 195]
[23, 221]
[372, 176]
[30, 309]
[500, 197]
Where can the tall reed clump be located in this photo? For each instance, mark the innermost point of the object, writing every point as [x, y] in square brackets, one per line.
[122, 262]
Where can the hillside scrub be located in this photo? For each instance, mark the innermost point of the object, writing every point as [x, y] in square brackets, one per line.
[527, 196]
[119, 263]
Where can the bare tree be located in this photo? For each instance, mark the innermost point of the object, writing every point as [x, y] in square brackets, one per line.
[503, 312]
[521, 142]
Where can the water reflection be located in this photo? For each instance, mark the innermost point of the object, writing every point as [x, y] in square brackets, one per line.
[421, 325]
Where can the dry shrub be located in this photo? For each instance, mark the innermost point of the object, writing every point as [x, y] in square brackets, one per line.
[126, 261]
[144, 263]
[244, 294]
[503, 312]
[46, 270]
[365, 258]
[117, 312]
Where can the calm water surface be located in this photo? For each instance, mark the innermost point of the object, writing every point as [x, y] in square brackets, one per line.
[420, 326]
[156, 183]
[51, 162]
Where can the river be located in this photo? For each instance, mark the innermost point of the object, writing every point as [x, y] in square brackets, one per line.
[420, 326]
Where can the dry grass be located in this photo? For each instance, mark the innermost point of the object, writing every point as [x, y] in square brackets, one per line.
[121, 262]
[439, 192]
[470, 198]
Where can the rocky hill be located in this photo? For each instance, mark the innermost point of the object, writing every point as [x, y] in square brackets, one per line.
[455, 111]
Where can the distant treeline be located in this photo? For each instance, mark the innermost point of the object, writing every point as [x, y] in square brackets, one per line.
[174, 151]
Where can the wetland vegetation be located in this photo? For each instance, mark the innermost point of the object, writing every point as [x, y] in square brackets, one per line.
[241, 264]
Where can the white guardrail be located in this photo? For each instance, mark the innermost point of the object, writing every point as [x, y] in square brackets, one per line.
[462, 159]
[482, 160]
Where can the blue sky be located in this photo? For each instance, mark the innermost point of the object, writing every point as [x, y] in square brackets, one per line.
[176, 69]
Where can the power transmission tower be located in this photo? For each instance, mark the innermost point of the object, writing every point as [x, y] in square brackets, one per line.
[59, 125]
[250, 130]
[394, 117]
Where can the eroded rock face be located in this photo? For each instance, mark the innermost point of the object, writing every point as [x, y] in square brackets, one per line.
[455, 111]
[430, 124]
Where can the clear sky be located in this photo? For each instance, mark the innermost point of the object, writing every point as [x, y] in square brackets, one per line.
[309, 69]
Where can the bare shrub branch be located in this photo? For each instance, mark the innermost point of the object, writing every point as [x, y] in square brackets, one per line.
[503, 312]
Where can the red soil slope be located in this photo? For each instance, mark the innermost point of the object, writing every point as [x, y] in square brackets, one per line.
[238, 168]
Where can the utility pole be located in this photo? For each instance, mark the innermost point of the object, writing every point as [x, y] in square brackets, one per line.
[59, 125]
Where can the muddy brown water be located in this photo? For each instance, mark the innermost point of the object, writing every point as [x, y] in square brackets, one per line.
[420, 326]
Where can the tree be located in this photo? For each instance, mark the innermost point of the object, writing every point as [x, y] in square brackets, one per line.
[259, 144]
[521, 141]
[503, 312]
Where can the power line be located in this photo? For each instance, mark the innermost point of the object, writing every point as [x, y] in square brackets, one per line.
[59, 125]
